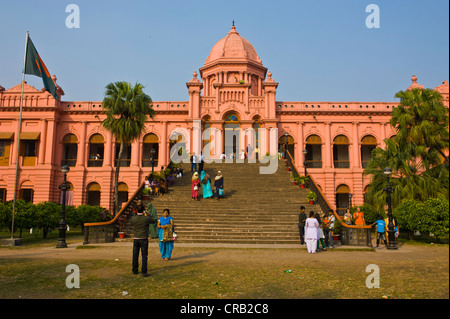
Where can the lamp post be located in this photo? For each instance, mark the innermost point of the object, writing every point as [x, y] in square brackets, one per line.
[286, 144]
[350, 195]
[62, 223]
[305, 152]
[391, 231]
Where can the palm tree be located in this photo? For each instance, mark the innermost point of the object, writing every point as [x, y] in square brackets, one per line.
[127, 108]
[421, 121]
[416, 155]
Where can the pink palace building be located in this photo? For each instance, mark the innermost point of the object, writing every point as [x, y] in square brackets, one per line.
[232, 90]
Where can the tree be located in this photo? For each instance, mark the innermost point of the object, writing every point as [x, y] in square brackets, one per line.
[48, 215]
[127, 108]
[421, 121]
[416, 155]
[25, 215]
[429, 216]
[89, 214]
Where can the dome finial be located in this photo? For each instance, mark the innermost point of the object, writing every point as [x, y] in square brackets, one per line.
[233, 23]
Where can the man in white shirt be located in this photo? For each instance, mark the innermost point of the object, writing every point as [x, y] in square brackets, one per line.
[193, 163]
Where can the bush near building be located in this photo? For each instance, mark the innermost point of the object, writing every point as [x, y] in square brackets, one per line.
[430, 216]
[46, 215]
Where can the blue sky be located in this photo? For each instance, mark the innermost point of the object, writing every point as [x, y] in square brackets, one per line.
[317, 50]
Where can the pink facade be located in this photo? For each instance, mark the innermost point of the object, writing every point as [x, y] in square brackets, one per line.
[232, 90]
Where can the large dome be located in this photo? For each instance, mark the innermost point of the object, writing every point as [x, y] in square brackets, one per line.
[233, 46]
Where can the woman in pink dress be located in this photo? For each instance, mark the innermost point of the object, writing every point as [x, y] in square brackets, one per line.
[195, 186]
[311, 226]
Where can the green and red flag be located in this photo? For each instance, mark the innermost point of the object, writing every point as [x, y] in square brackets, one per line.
[35, 66]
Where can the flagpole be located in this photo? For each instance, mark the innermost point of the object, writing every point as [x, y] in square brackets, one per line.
[18, 137]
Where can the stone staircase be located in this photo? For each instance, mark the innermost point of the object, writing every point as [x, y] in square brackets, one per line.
[257, 209]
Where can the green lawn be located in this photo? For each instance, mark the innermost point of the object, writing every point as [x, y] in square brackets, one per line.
[222, 273]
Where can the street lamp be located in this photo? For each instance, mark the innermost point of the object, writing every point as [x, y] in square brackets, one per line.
[304, 160]
[286, 144]
[62, 223]
[391, 231]
[350, 195]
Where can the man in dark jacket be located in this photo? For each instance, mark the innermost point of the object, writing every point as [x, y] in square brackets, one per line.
[301, 224]
[140, 223]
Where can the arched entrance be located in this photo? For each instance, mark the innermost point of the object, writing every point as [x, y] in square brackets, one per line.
[289, 140]
[231, 140]
[123, 193]
[93, 194]
[342, 199]
[150, 150]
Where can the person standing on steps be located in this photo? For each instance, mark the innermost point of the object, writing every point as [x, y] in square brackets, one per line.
[165, 226]
[201, 162]
[206, 185]
[218, 184]
[301, 224]
[311, 226]
[193, 163]
[195, 186]
[141, 224]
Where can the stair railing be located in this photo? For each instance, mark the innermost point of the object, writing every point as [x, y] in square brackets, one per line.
[106, 232]
[355, 235]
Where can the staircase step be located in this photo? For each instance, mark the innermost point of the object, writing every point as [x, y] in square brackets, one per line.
[256, 208]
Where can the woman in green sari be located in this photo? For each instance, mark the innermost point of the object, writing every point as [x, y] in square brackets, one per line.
[206, 185]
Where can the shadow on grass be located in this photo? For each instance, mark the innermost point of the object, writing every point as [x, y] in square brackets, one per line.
[172, 267]
[195, 255]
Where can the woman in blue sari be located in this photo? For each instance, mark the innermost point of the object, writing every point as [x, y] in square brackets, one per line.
[165, 234]
[206, 185]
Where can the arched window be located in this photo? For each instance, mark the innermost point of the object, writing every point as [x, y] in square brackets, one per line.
[232, 118]
[340, 152]
[314, 151]
[26, 191]
[96, 150]
[368, 144]
[231, 138]
[70, 150]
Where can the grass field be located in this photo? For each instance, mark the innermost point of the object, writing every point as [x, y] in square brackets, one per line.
[38, 270]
